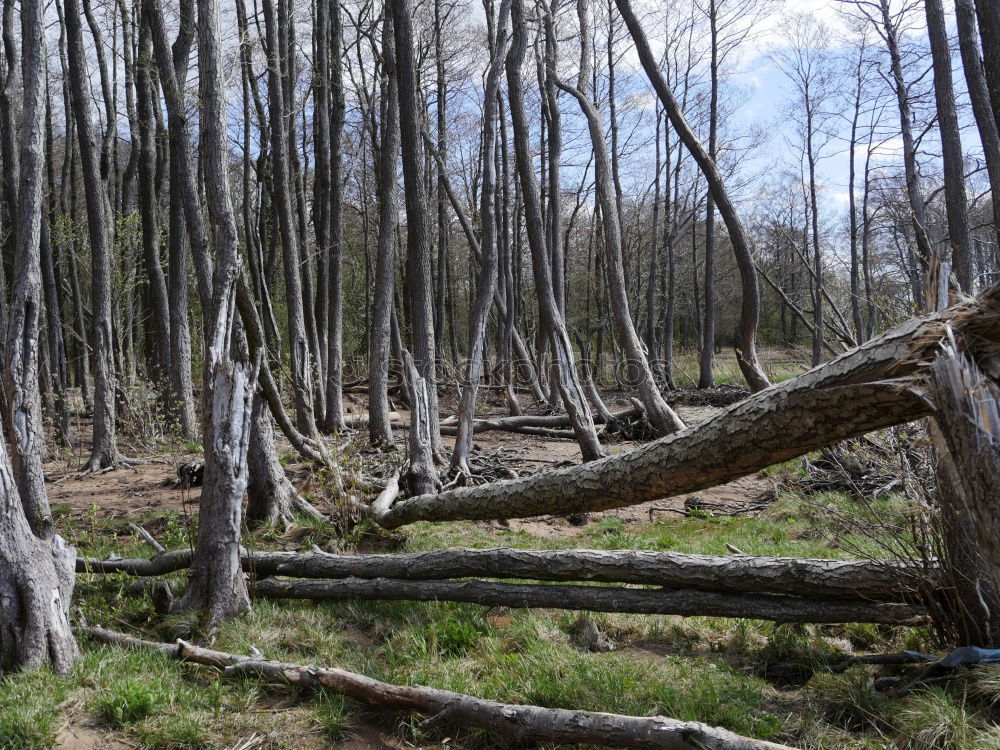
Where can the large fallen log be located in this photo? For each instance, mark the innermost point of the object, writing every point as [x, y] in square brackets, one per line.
[685, 602]
[830, 579]
[515, 722]
[874, 386]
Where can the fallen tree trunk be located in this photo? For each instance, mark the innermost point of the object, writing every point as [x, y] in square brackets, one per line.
[874, 386]
[519, 723]
[485, 425]
[880, 581]
[685, 602]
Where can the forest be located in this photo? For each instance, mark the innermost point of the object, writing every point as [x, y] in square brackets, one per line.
[499, 373]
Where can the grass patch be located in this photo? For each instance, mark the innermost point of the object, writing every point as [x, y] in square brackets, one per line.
[703, 669]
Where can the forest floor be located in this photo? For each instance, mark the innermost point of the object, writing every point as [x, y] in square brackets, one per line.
[714, 670]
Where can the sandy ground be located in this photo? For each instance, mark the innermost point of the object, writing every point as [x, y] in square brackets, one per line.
[149, 485]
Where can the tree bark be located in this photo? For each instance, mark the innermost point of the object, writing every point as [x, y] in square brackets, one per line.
[420, 298]
[36, 567]
[914, 193]
[684, 602]
[216, 581]
[662, 417]
[379, 428]
[979, 96]
[488, 262]
[869, 388]
[952, 156]
[421, 476]
[269, 493]
[335, 320]
[298, 341]
[967, 448]
[871, 580]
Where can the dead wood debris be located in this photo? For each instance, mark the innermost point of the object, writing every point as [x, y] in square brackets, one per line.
[515, 722]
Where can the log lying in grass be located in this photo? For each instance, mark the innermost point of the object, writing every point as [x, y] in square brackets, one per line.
[159, 565]
[874, 386]
[849, 579]
[685, 602]
[517, 723]
[834, 579]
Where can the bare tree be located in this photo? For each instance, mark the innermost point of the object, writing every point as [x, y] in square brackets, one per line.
[276, 21]
[105, 448]
[216, 583]
[551, 320]
[488, 265]
[746, 334]
[419, 285]
[951, 144]
[662, 417]
[36, 566]
[379, 429]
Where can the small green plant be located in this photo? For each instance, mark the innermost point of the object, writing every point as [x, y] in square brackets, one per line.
[186, 732]
[455, 635]
[331, 713]
[26, 729]
[126, 702]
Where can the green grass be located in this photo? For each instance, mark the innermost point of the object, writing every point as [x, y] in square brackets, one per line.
[705, 669]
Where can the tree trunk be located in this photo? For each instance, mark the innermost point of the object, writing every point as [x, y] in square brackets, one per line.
[36, 567]
[685, 602]
[967, 448]
[335, 320]
[988, 13]
[421, 477]
[951, 145]
[298, 341]
[148, 210]
[488, 265]
[705, 377]
[269, 493]
[863, 390]
[216, 582]
[515, 722]
[551, 320]
[105, 451]
[379, 429]
[913, 192]
[420, 298]
[822, 579]
[979, 96]
[662, 417]
[746, 334]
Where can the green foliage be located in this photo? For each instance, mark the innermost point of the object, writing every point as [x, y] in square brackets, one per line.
[181, 732]
[29, 710]
[933, 718]
[125, 702]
